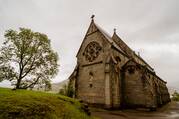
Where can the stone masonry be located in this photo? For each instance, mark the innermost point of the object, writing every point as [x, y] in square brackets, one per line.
[109, 74]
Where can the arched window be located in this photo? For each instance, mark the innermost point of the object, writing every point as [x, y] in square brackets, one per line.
[131, 70]
[91, 79]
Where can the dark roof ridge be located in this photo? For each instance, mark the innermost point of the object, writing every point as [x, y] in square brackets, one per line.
[108, 37]
[118, 38]
[153, 72]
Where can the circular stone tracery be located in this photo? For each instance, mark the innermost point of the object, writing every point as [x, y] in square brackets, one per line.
[91, 51]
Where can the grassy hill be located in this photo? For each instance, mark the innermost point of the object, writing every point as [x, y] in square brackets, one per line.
[23, 104]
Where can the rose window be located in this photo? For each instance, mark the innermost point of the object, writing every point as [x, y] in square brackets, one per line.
[92, 51]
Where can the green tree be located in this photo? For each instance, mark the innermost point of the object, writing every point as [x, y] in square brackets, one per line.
[63, 90]
[70, 91]
[175, 96]
[48, 86]
[27, 59]
[67, 90]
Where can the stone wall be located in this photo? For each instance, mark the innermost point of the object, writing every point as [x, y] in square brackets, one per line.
[91, 76]
[91, 91]
[118, 59]
[161, 91]
[143, 88]
[134, 93]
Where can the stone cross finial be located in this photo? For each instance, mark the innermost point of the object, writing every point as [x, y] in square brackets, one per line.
[92, 17]
[114, 30]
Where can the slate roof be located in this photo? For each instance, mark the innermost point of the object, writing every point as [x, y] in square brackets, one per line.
[108, 37]
[129, 51]
[152, 72]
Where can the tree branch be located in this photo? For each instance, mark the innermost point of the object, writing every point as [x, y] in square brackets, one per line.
[28, 60]
[33, 82]
[31, 68]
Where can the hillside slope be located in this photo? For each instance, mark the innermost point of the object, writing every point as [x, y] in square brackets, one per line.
[23, 104]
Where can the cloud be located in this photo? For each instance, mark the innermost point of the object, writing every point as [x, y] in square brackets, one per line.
[151, 27]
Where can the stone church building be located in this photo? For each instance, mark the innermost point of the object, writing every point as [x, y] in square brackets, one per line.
[110, 74]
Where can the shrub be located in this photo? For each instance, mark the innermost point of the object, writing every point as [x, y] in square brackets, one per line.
[67, 90]
[175, 96]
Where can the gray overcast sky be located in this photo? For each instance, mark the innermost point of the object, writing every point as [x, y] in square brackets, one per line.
[150, 27]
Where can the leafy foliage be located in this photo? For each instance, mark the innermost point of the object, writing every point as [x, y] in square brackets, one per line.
[27, 59]
[67, 90]
[175, 96]
[48, 86]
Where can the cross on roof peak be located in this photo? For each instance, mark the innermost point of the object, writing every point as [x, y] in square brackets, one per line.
[92, 17]
[114, 30]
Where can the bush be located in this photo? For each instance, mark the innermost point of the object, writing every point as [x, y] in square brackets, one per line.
[67, 90]
[175, 96]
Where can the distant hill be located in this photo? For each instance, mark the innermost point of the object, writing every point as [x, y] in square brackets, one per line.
[55, 86]
[25, 104]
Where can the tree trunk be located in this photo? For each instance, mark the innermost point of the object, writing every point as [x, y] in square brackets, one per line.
[18, 83]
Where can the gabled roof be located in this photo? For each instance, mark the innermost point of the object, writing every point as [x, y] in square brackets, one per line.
[115, 41]
[133, 61]
[122, 45]
[108, 37]
[128, 50]
[93, 28]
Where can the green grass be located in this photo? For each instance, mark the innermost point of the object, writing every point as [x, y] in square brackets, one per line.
[23, 104]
